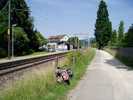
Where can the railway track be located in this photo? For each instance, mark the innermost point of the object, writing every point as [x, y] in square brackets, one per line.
[12, 66]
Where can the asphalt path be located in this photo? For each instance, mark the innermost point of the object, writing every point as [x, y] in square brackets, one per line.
[105, 79]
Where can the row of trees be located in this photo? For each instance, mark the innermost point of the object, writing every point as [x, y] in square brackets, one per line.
[104, 35]
[27, 38]
[74, 41]
[77, 43]
[120, 38]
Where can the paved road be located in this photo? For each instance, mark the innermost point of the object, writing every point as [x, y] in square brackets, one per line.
[106, 79]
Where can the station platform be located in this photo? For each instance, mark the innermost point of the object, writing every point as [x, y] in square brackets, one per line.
[6, 60]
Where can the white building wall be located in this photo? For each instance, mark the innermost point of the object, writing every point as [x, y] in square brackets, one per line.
[62, 47]
[65, 38]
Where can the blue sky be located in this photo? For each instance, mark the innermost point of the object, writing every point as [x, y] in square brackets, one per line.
[53, 17]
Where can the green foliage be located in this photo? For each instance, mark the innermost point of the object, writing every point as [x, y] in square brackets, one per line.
[3, 3]
[121, 32]
[3, 34]
[44, 87]
[74, 41]
[43, 41]
[3, 29]
[38, 40]
[103, 26]
[3, 53]
[93, 43]
[129, 37]
[21, 41]
[28, 40]
[83, 43]
[21, 17]
[124, 59]
[114, 39]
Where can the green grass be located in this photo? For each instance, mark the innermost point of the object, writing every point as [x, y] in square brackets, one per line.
[33, 54]
[125, 60]
[39, 53]
[44, 86]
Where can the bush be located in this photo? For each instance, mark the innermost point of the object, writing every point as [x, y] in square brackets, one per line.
[3, 53]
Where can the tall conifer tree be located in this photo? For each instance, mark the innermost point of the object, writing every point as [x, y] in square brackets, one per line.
[121, 31]
[113, 40]
[103, 26]
[129, 37]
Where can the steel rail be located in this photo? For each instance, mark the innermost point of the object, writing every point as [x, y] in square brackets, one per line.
[11, 67]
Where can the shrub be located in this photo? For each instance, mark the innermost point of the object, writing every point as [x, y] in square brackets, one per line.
[3, 53]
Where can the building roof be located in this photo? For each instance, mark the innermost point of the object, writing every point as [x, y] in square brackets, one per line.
[56, 38]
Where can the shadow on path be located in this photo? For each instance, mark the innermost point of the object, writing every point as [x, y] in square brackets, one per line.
[117, 64]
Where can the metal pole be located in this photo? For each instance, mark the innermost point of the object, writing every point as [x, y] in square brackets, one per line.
[78, 42]
[9, 30]
[57, 62]
[12, 41]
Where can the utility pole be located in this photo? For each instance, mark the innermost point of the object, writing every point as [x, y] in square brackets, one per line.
[9, 29]
[12, 55]
[78, 42]
[13, 35]
[10, 33]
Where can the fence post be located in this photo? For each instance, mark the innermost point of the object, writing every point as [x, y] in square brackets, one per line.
[57, 62]
[74, 60]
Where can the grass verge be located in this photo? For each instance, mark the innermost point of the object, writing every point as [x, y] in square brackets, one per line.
[125, 60]
[44, 87]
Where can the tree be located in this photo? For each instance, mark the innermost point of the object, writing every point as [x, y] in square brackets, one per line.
[21, 41]
[113, 41]
[93, 42]
[20, 15]
[38, 40]
[103, 26]
[129, 37]
[43, 41]
[121, 32]
[3, 29]
[74, 41]
[84, 43]
[3, 3]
